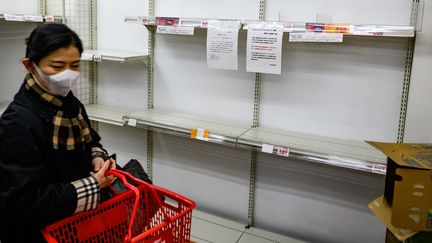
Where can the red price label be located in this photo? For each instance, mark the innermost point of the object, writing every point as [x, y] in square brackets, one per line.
[282, 151]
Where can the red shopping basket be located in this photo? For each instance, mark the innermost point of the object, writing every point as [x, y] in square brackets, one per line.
[137, 215]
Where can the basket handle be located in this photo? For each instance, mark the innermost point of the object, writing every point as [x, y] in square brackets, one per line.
[124, 176]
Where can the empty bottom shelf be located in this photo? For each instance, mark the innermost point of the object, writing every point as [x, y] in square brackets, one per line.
[209, 228]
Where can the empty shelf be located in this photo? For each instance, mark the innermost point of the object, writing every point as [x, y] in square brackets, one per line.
[349, 154]
[117, 56]
[356, 155]
[107, 114]
[181, 125]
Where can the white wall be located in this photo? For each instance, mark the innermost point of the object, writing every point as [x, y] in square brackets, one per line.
[19, 7]
[12, 51]
[12, 46]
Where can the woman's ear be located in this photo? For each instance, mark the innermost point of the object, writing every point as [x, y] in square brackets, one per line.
[27, 64]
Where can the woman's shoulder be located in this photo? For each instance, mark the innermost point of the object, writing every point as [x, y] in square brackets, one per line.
[19, 118]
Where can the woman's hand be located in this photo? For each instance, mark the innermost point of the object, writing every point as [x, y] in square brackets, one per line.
[97, 164]
[100, 177]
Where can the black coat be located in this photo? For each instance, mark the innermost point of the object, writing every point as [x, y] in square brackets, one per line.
[35, 187]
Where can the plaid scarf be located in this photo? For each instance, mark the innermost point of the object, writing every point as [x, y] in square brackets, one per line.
[69, 126]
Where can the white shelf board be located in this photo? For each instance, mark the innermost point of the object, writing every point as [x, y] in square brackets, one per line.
[116, 56]
[107, 114]
[181, 125]
[343, 153]
[3, 106]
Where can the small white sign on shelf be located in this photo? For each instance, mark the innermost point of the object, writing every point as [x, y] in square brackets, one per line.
[23, 18]
[200, 133]
[97, 58]
[267, 148]
[175, 30]
[132, 122]
[316, 37]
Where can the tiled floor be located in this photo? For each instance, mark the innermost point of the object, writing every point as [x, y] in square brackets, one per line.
[209, 228]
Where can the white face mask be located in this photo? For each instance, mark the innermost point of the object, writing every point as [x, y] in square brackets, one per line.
[60, 83]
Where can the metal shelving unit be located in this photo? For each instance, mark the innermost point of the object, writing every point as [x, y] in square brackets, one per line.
[116, 56]
[330, 151]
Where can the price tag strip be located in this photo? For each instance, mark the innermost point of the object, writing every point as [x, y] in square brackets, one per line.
[280, 150]
[199, 133]
[175, 30]
[316, 37]
[23, 18]
[167, 21]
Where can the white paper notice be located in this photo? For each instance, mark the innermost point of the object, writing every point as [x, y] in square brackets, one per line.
[264, 50]
[222, 44]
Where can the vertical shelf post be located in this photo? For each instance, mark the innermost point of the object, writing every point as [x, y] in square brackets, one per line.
[150, 78]
[407, 74]
[255, 123]
[42, 7]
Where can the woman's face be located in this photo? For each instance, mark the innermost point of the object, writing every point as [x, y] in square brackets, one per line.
[56, 62]
[60, 60]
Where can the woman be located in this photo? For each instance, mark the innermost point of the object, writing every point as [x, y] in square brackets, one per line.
[51, 162]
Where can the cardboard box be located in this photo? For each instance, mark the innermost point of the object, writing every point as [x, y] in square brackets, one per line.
[384, 213]
[408, 187]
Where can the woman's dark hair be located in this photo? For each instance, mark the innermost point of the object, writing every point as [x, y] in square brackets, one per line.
[47, 38]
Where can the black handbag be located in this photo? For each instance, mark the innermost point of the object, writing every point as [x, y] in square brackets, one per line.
[134, 168]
